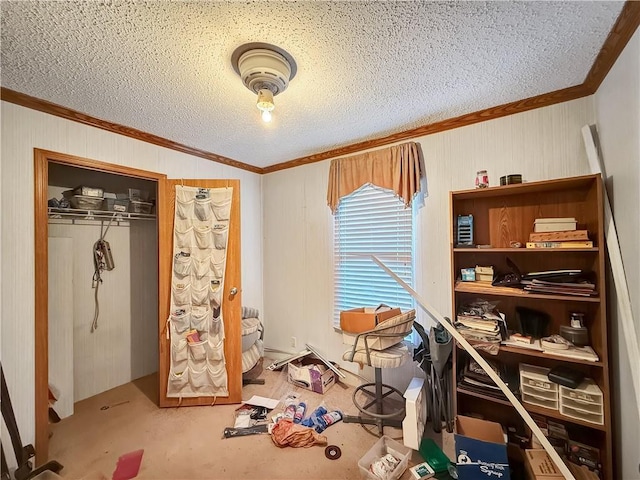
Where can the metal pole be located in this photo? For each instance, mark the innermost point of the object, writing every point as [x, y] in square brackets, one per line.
[433, 313]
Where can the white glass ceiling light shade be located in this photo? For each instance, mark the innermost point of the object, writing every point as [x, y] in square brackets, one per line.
[265, 70]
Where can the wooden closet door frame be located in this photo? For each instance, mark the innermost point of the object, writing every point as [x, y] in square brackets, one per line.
[42, 159]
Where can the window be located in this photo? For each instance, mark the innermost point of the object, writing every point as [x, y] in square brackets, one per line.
[372, 220]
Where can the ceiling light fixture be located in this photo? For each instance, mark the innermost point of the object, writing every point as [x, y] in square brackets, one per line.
[265, 70]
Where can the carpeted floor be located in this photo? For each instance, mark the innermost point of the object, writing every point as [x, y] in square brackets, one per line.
[188, 443]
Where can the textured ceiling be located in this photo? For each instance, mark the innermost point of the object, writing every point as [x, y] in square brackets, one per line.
[365, 69]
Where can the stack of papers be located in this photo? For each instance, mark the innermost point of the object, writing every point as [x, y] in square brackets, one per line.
[487, 327]
[534, 345]
[475, 379]
[581, 353]
[560, 282]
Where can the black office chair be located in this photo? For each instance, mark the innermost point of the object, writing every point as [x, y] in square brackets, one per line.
[380, 348]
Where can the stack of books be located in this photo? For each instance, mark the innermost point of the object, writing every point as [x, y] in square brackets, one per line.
[558, 233]
[475, 379]
[485, 327]
[560, 282]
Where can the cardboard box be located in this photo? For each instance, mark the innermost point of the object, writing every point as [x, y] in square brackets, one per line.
[484, 274]
[539, 466]
[357, 320]
[554, 224]
[481, 451]
[312, 374]
[468, 274]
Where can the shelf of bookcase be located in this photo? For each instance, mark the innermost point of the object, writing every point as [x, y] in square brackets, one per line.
[523, 250]
[488, 289]
[528, 352]
[547, 412]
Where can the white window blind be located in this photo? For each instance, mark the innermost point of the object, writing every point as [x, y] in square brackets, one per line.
[372, 220]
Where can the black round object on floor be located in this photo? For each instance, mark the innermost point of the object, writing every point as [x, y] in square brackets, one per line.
[332, 452]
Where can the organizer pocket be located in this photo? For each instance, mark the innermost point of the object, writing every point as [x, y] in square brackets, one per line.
[217, 376]
[182, 224]
[200, 380]
[181, 320]
[203, 237]
[181, 293]
[179, 356]
[221, 204]
[182, 265]
[200, 296]
[200, 318]
[202, 208]
[218, 258]
[201, 254]
[185, 194]
[200, 283]
[184, 208]
[216, 331]
[215, 351]
[201, 268]
[184, 238]
[215, 293]
[198, 355]
[177, 382]
[220, 233]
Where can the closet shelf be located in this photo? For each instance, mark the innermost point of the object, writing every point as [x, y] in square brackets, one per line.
[77, 214]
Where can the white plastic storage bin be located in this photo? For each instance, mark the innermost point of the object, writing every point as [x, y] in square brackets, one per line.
[136, 206]
[83, 190]
[83, 202]
[583, 403]
[382, 447]
[138, 195]
[116, 204]
[536, 388]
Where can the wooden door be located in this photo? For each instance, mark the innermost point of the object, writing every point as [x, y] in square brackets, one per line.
[231, 303]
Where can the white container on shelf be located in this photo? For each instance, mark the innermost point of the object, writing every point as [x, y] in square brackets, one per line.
[536, 388]
[583, 403]
[84, 202]
[136, 206]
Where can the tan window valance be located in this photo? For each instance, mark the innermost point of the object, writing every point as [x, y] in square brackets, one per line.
[395, 168]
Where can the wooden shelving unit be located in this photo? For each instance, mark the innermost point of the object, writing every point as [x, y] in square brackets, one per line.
[506, 214]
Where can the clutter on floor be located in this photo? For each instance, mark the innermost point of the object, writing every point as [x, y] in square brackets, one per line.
[312, 374]
[421, 471]
[128, 465]
[285, 433]
[289, 427]
[386, 460]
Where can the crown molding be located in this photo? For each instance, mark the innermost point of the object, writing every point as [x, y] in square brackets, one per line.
[44, 106]
[622, 31]
[519, 106]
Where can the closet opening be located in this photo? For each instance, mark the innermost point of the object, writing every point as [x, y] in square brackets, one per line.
[89, 340]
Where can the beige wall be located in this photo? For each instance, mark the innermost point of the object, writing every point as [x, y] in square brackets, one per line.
[298, 263]
[617, 104]
[22, 131]
[125, 345]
